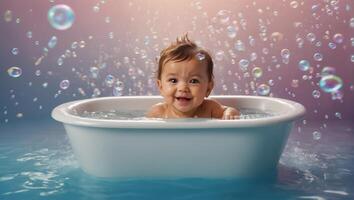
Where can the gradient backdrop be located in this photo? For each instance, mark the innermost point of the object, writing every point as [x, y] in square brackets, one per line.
[111, 48]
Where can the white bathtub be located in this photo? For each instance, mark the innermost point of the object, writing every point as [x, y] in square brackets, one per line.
[183, 148]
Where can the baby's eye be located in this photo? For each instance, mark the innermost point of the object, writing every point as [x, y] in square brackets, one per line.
[172, 80]
[194, 81]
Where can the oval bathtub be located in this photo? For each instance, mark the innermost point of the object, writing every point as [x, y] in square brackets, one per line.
[180, 148]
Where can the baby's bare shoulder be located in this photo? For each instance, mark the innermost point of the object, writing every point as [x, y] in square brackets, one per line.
[156, 111]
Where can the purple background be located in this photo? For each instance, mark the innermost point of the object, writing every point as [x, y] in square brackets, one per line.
[141, 29]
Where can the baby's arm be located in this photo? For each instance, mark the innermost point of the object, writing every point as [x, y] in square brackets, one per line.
[156, 111]
[223, 112]
[230, 113]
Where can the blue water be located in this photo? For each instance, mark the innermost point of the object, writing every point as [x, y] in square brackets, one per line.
[37, 162]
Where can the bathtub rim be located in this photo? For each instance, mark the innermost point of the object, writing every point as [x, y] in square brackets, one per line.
[61, 114]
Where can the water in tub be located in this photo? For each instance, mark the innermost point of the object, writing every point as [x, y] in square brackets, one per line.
[52, 52]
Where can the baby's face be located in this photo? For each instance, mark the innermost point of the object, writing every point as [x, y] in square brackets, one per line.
[184, 85]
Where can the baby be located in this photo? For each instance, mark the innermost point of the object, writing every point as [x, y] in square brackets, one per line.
[185, 79]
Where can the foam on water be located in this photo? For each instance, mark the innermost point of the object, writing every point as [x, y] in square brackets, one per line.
[140, 114]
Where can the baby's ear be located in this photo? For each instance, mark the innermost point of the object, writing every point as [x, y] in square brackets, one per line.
[159, 84]
[210, 88]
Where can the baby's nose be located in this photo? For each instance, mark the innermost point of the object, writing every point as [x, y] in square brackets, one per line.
[183, 87]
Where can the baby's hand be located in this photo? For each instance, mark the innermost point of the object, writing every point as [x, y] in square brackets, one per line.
[230, 114]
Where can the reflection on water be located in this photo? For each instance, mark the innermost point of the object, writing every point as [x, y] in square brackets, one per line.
[40, 163]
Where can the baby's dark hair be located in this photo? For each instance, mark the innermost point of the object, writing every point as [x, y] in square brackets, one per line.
[184, 49]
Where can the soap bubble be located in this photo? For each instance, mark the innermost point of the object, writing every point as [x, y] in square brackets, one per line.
[337, 95]
[219, 55]
[14, 72]
[295, 83]
[257, 72]
[328, 71]
[243, 64]
[29, 34]
[231, 31]
[332, 45]
[311, 37]
[318, 56]
[294, 4]
[109, 80]
[304, 65]
[239, 46]
[276, 36]
[316, 135]
[223, 16]
[8, 16]
[338, 38]
[316, 94]
[263, 89]
[330, 83]
[285, 53]
[52, 42]
[64, 84]
[15, 51]
[60, 61]
[200, 56]
[61, 17]
[351, 22]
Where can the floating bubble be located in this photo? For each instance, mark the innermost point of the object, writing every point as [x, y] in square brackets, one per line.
[52, 42]
[338, 38]
[94, 72]
[15, 51]
[223, 16]
[328, 71]
[351, 23]
[311, 37]
[304, 65]
[332, 45]
[330, 83]
[200, 56]
[29, 34]
[82, 44]
[263, 89]
[338, 115]
[61, 17]
[316, 94]
[294, 4]
[19, 115]
[276, 36]
[109, 80]
[239, 46]
[257, 72]
[118, 88]
[64, 84]
[231, 31]
[295, 83]
[285, 53]
[14, 72]
[318, 56]
[60, 61]
[316, 135]
[96, 9]
[337, 95]
[352, 58]
[8, 16]
[243, 64]
[219, 55]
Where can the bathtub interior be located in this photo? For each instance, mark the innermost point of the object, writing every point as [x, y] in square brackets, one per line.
[275, 106]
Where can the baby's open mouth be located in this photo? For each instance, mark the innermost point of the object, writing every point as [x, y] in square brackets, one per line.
[183, 99]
